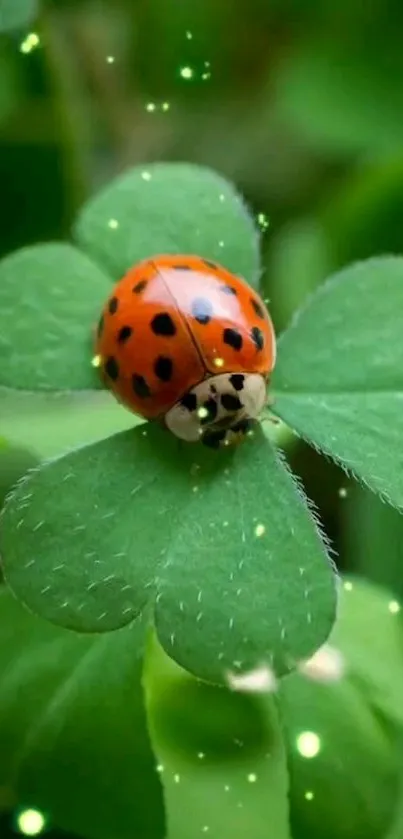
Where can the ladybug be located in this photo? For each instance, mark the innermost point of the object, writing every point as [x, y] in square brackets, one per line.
[184, 341]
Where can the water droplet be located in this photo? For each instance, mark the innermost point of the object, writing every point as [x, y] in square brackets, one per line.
[110, 59]
[347, 585]
[252, 778]
[342, 492]
[394, 607]
[113, 223]
[177, 779]
[150, 107]
[309, 795]
[146, 176]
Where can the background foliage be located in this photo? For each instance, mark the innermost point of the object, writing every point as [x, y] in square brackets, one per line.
[300, 105]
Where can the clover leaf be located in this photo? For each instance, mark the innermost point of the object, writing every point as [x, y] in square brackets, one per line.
[73, 727]
[169, 208]
[339, 380]
[47, 343]
[142, 519]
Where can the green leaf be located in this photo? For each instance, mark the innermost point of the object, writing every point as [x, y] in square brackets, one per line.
[15, 461]
[336, 96]
[221, 753]
[50, 299]
[297, 261]
[349, 788]
[52, 423]
[73, 727]
[339, 379]
[369, 634]
[142, 516]
[373, 539]
[11, 85]
[363, 218]
[169, 208]
[17, 14]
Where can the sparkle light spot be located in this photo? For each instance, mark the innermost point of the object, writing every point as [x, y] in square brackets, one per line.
[252, 778]
[110, 59]
[347, 585]
[394, 607]
[206, 76]
[30, 42]
[201, 755]
[113, 223]
[326, 665]
[186, 72]
[309, 795]
[189, 35]
[260, 530]
[260, 680]
[342, 492]
[150, 107]
[146, 176]
[262, 221]
[308, 744]
[96, 361]
[205, 828]
[221, 197]
[221, 244]
[218, 362]
[177, 779]
[227, 788]
[165, 106]
[202, 413]
[159, 767]
[31, 822]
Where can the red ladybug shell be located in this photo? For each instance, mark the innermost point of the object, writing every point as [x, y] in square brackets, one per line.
[174, 320]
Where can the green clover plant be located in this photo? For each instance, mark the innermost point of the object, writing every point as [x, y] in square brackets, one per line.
[219, 553]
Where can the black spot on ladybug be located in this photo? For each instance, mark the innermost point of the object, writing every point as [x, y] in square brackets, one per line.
[111, 368]
[202, 310]
[124, 334]
[212, 265]
[163, 324]
[100, 326]
[232, 338]
[257, 337]
[228, 289]
[237, 380]
[182, 267]
[140, 386]
[213, 389]
[163, 368]
[230, 402]
[259, 310]
[189, 401]
[210, 411]
[213, 439]
[139, 287]
[113, 305]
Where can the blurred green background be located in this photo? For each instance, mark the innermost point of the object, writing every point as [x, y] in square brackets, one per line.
[299, 102]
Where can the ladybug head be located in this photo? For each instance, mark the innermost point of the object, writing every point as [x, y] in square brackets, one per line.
[219, 410]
